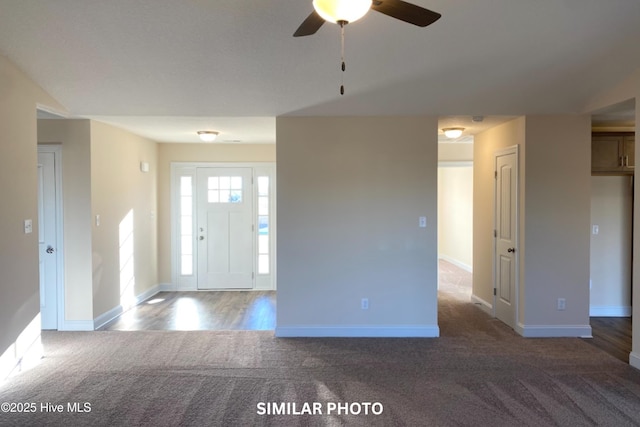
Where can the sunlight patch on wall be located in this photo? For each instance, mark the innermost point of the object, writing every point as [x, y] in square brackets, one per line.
[24, 353]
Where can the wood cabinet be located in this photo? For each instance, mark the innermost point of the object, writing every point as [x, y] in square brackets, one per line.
[613, 153]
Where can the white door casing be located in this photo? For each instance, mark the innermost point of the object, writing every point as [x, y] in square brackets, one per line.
[506, 236]
[48, 237]
[225, 228]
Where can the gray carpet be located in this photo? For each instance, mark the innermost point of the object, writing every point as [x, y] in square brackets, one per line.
[479, 373]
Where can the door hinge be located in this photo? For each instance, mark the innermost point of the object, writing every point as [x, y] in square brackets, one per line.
[495, 292]
[495, 233]
[495, 174]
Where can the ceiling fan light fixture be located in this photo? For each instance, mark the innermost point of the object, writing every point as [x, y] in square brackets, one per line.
[341, 10]
[453, 133]
[207, 135]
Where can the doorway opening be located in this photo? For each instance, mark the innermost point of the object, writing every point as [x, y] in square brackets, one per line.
[455, 217]
[612, 201]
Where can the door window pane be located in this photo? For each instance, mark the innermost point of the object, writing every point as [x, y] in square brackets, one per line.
[263, 225]
[225, 189]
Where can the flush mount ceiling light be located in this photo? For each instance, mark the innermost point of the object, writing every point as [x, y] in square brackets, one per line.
[453, 133]
[340, 10]
[207, 135]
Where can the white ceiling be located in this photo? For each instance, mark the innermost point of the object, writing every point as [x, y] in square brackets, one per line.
[167, 68]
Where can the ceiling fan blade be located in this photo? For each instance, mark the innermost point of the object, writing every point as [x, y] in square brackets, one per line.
[406, 12]
[310, 25]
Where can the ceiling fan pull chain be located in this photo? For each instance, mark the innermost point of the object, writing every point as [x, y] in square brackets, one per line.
[342, 24]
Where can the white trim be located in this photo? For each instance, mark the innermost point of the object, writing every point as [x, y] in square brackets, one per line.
[457, 263]
[147, 294]
[610, 311]
[76, 325]
[409, 331]
[553, 331]
[167, 287]
[634, 360]
[482, 304]
[56, 149]
[107, 317]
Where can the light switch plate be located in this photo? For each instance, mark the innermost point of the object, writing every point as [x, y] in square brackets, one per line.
[422, 222]
[28, 226]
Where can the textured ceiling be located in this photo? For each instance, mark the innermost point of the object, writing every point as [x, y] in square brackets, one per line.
[166, 68]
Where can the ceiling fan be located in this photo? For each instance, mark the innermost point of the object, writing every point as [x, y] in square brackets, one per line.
[343, 12]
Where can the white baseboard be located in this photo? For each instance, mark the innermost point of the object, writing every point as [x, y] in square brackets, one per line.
[610, 311]
[76, 325]
[457, 263]
[428, 331]
[484, 305]
[107, 317]
[167, 287]
[553, 331]
[147, 294]
[634, 360]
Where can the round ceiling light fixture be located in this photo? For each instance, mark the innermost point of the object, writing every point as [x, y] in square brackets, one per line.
[341, 10]
[207, 135]
[453, 133]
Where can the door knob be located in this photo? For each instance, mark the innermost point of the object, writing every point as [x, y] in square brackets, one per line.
[201, 237]
[511, 250]
[50, 250]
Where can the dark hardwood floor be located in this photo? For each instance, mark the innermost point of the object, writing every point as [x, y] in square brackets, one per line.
[612, 335]
[198, 311]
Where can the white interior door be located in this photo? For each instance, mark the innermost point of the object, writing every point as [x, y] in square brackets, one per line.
[225, 228]
[506, 235]
[47, 240]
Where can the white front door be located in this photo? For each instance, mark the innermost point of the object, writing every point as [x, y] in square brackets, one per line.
[506, 258]
[47, 240]
[225, 228]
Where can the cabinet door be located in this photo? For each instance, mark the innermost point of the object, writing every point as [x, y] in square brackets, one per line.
[629, 152]
[606, 153]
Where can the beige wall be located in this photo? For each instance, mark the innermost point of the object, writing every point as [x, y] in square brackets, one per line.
[557, 221]
[485, 145]
[350, 192]
[455, 152]
[214, 153]
[611, 211]
[118, 187]
[19, 287]
[554, 206]
[455, 214]
[75, 137]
